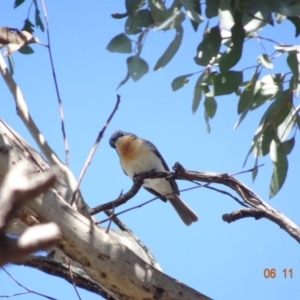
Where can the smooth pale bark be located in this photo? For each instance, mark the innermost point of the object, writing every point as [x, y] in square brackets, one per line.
[109, 262]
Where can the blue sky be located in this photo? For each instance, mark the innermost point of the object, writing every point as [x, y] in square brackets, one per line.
[223, 261]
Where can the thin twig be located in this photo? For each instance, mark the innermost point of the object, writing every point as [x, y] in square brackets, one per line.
[247, 171]
[60, 107]
[61, 270]
[71, 275]
[25, 288]
[126, 210]
[93, 150]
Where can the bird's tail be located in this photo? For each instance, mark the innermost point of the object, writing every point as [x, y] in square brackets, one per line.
[185, 213]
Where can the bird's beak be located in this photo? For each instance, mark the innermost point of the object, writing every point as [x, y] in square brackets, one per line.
[112, 142]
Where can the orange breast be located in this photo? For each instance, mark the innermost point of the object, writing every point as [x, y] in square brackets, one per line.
[128, 147]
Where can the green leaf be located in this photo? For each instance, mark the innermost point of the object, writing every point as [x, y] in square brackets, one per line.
[26, 50]
[176, 18]
[227, 83]
[233, 54]
[28, 26]
[226, 14]
[298, 121]
[286, 120]
[38, 20]
[229, 59]
[287, 8]
[137, 67]
[180, 81]
[255, 170]
[263, 140]
[256, 16]
[248, 93]
[246, 99]
[198, 91]
[11, 65]
[212, 7]
[119, 16]
[268, 88]
[132, 6]
[210, 105]
[288, 145]
[193, 11]
[158, 10]
[275, 113]
[296, 22]
[279, 18]
[171, 50]
[120, 43]
[209, 47]
[280, 167]
[265, 61]
[293, 62]
[206, 118]
[124, 80]
[18, 2]
[238, 33]
[142, 19]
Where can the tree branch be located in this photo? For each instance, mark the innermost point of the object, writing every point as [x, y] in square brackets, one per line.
[23, 112]
[19, 186]
[59, 269]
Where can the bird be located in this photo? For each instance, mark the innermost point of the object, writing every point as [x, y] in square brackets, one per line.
[139, 156]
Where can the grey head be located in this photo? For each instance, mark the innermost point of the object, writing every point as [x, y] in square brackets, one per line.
[118, 134]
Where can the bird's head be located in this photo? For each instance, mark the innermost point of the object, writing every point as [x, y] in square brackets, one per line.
[117, 135]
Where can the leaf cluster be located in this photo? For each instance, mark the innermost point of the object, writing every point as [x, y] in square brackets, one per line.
[220, 50]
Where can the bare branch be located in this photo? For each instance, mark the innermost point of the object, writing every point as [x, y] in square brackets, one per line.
[61, 270]
[19, 186]
[23, 112]
[28, 291]
[259, 208]
[93, 150]
[254, 205]
[60, 107]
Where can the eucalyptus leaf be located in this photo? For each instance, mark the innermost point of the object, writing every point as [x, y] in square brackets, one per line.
[293, 62]
[206, 118]
[288, 8]
[226, 14]
[18, 2]
[280, 167]
[265, 61]
[227, 83]
[137, 67]
[38, 20]
[190, 6]
[172, 22]
[210, 105]
[229, 59]
[246, 99]
[288, 145]
[171, 50]
[135, 24]
[209, 46]
[26, 50]
[296, 22]
[180, 81]
[120, 43]
[198, 91]
[132, 6]
[212, 7]
[257, 15]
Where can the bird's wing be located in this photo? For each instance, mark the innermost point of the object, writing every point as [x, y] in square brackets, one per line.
[172, 181]
[158, 195]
